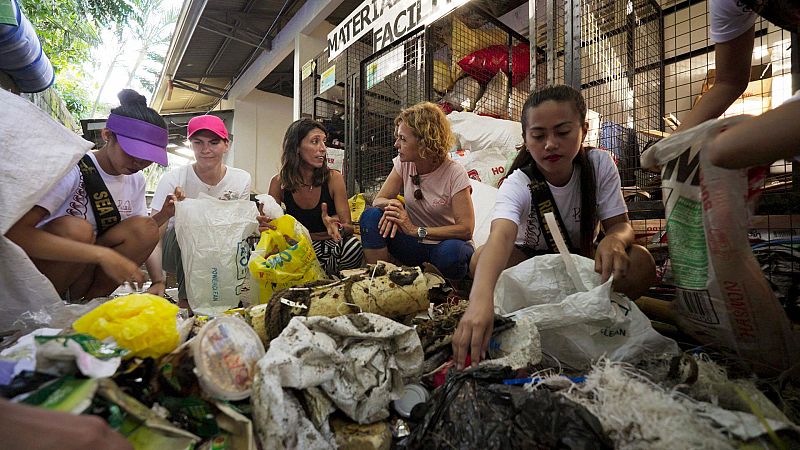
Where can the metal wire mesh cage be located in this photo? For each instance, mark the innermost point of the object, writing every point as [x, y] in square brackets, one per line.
[465, 61]
[642, 65]
[326, 96]
[613, 52]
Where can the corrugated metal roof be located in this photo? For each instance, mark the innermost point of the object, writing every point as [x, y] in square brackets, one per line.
[226, 39]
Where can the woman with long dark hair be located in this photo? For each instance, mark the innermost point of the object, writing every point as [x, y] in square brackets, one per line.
[91, 232]
[553, 173]
[315, 195]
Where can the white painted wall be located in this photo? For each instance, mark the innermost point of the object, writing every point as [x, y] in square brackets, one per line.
[260, 120]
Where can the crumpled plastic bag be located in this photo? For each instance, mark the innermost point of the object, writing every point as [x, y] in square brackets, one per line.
[356, 362]
[577, 327]
[145, 324]
[485, 63]
[473, 411]
[283, 258]
[269, 206]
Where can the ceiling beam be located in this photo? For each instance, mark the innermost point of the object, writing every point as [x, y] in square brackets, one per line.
[248, 6]
[307, 18]
[249, 17]
[234, 28]
[228, 35]
[198, 87]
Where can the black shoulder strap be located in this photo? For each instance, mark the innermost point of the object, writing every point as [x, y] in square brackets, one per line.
[104, 207]
[542, 202]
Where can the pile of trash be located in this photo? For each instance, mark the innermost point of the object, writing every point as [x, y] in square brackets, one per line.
[366, 362]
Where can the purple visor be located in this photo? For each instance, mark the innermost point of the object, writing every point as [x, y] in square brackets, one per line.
[140, 139]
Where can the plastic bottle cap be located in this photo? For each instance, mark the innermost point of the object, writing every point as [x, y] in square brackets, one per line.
[413, 394]
[226, 351]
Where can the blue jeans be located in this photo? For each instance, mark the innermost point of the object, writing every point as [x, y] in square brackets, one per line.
[451, 256]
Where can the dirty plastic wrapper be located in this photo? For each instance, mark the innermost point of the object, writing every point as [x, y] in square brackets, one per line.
[146, 430]
[59, 355]
[225, 352]
[723, 298]
[65, 394]
[22, 355]
[575, 326]
[23, 183]
[212, 235]
[356, 362]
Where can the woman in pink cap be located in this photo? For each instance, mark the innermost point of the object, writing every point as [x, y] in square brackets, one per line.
[91, 232]
[209, 175]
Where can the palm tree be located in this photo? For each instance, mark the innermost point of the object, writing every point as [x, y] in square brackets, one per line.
[119, 48]
[151, 30]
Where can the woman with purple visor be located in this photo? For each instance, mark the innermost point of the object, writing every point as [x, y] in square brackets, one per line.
[91, 232]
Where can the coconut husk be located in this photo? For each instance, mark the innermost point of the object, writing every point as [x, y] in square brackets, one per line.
[382, 289]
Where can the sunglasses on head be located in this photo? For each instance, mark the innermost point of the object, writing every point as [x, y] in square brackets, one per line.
[417, 192]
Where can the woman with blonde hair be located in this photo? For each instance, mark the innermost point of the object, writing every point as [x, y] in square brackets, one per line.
[434, 222]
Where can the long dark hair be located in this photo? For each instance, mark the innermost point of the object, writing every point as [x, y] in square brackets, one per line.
[562, 93]
[291, 179]
[133, 104]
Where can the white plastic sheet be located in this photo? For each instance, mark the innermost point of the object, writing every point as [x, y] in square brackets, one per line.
[37, 152]
[577, 327]
[356, 362]
[483, 199]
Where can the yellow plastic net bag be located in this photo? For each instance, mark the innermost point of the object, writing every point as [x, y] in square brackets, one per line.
[145, 324]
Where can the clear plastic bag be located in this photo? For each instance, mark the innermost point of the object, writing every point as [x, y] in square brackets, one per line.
[212, 235]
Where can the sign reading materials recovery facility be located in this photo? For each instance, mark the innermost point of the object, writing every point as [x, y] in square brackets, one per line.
[387, 20]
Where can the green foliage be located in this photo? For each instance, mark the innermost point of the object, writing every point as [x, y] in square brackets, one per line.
[68, 30]
[71, 88]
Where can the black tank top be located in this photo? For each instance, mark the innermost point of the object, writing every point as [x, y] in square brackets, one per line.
[310, 218]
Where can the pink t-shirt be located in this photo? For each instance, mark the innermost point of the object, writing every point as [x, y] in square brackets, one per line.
[438, 188]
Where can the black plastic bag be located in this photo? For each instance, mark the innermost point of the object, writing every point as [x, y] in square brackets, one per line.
[471, 410]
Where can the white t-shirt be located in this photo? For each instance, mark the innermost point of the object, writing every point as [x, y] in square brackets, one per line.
[235, 185]
[729, 19]
[514, 200]
[68, 196]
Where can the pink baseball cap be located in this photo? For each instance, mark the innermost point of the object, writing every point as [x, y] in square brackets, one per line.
[207, 122]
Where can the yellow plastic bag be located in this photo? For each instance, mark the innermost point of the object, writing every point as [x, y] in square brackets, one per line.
[145, 324]
[357, 206]
[284, 258]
